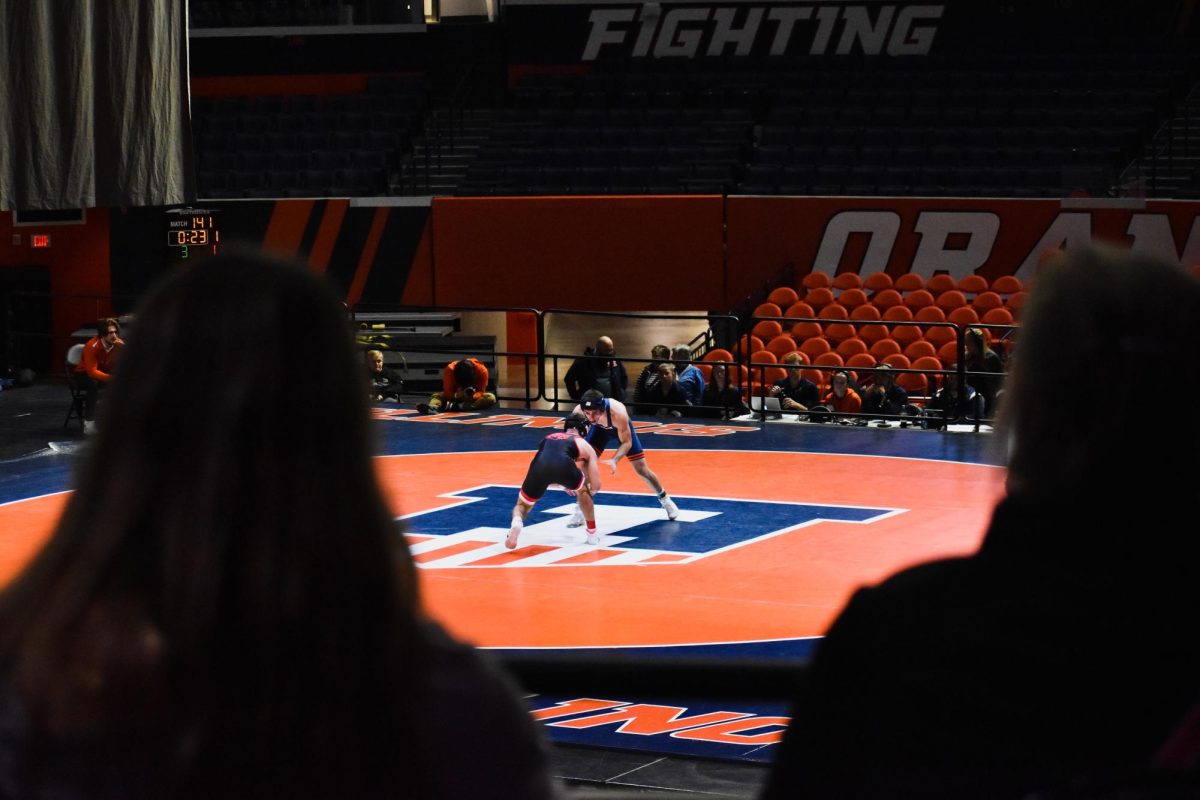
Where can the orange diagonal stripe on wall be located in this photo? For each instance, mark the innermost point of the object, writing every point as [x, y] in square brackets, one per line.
[367, 258]
[286, 228]
[327, 233]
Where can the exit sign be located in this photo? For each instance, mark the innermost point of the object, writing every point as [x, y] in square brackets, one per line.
[38, 240]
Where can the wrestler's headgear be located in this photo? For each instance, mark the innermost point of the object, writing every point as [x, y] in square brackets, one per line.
[592, 400]
[576, 422]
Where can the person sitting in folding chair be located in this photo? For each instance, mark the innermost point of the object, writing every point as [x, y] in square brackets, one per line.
[95, 368]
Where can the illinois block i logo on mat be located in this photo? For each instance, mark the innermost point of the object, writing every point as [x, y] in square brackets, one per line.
[634, 529]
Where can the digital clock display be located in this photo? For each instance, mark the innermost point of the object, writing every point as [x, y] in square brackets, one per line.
[177, 238]
[192, 232]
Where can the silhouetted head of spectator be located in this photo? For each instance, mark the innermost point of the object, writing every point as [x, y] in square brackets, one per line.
[605, 347]
[660, 352]
[226, 574]
[1133, 317]
[681, 354]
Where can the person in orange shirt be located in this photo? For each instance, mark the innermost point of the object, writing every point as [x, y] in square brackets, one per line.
[94, 370]
[840, 397]
[464, 388]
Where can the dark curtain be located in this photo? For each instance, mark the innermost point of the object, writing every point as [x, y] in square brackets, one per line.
[94, 104]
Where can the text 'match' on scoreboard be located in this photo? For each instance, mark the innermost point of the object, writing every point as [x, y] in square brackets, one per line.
[192, 232]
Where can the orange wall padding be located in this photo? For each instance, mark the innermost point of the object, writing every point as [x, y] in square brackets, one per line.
[601, 253]
[78, 260]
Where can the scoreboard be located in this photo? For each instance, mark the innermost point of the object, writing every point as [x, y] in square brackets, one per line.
[192, 232]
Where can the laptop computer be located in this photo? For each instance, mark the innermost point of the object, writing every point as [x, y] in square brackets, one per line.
[768, 404]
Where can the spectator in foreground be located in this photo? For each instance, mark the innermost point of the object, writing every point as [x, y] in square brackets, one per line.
[464, 388]
[95, 368]
[1064, 650]
[226, 608]
[598, 369]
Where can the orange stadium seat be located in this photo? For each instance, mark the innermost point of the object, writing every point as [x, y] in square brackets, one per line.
[915, 383]
[939, 335]
[898, 314]
[767, 310]
[718, 354]
[1014, 303]
[905, 335]
[884, 348]
[706, 371]
[819, 297]
[928, 363]
[948, 353]
[872, 333]
[896, 361]
[847, 280]
[815, 347]
[800, 309]
[886, 299]
[832, 362]
[942, 282]
[852, 298]
[964, 315]
[834, 311]
[877, 282]
[839, 331]
[986, 301]
[783, 296]
[1006, 285]
[973, 284]
[816, 280]
[750, 344]
[920, 349]
[781, 345]
[908, 282]
[761, 357]
[852, 347]
[862, 361]
[767, 330]
[806, 330]
[951, 299]
[930, 314]
[997, 316]
[918, 299]
[867, 313]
